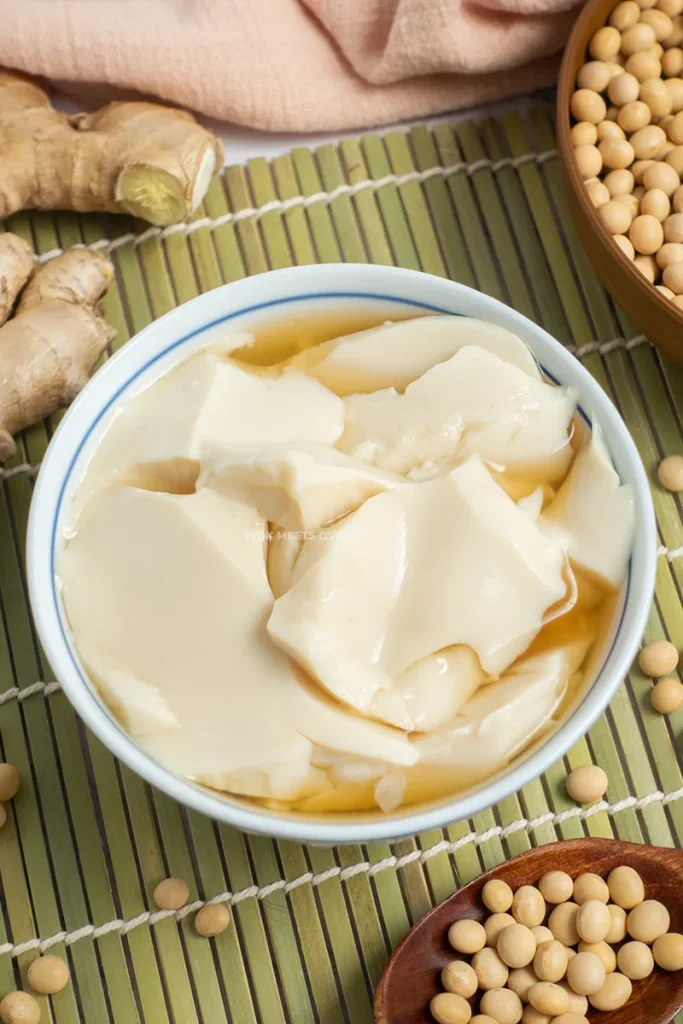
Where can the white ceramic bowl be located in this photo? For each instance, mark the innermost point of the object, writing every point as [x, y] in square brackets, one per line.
[287, 293]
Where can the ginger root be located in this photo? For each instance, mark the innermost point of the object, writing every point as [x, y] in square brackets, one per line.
[151, 161]
[16, 266]
[49, 347]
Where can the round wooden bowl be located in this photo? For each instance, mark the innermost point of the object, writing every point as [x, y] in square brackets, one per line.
[657, 317]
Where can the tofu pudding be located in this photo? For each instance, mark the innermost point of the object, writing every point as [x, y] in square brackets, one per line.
[366, 575]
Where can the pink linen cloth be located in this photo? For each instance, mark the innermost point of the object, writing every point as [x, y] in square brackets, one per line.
[291, 65]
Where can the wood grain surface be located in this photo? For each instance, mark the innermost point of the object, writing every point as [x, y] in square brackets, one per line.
[657, 317]
[411, 977]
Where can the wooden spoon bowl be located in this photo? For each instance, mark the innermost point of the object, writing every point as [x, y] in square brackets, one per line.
[411, 977]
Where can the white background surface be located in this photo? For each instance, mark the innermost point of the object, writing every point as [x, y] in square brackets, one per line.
[243, 143]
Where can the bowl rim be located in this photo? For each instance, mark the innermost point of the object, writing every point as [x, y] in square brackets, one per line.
[575, 50]
[370, 282]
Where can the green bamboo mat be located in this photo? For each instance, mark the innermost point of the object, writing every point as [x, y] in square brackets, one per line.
[86, 840]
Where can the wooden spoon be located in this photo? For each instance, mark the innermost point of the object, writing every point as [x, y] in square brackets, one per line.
[411, 977]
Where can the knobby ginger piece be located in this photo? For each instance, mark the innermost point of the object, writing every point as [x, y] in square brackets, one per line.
[298, 487]
[144, 159]
[593, 514]
[395, 354]
[16, 266]
[413, 571]
[473, 403]
[206, 405]
[49, 347]
[193, 627]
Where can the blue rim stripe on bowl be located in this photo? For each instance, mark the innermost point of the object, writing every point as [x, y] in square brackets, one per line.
[178, 343]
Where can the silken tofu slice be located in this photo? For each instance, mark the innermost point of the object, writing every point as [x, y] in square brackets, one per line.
[393, 355]
[593, 514]
[208, 402]
[474, 403]
[492, 727]
[430, 692]
[139, 707]
[174, 589]
[284, 548]
[414, 435]
[502, 717]
[298, 487]
[413, 571]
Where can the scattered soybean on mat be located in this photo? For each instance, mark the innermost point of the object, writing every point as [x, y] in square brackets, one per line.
[86, 841]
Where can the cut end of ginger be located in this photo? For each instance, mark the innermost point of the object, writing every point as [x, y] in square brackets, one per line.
[152, 194]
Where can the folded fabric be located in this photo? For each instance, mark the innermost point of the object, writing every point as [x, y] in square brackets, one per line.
[291, 65]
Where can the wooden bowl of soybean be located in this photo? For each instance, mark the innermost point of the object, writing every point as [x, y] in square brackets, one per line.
[659, 319]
